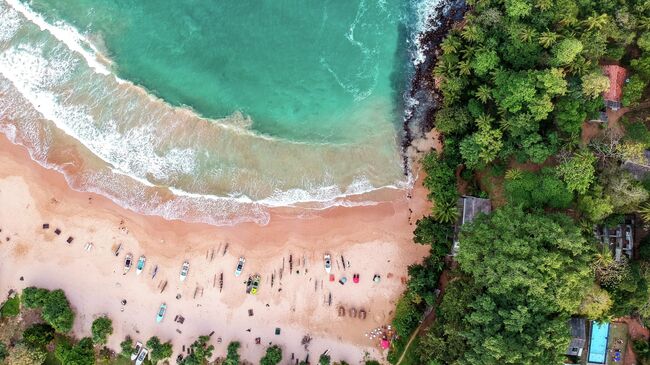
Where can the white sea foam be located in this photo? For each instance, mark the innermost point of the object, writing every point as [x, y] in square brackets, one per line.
[9, 21]
[64, 33]
[424, 11]
[38, 75]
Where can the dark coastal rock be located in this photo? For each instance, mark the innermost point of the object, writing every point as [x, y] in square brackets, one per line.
[424, 98]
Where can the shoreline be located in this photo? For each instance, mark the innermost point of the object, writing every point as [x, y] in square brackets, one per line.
[423, 96]
[33, 195]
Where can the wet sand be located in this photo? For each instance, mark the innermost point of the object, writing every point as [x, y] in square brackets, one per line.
[372, 239]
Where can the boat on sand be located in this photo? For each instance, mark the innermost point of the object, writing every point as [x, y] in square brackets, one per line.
[142, 356]
[128, 262]
[140, 266]
[136, 350]
[185, 269]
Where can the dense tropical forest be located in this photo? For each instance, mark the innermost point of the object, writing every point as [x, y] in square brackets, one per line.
[523, 123]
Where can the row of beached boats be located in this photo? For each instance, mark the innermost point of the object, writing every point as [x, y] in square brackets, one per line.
[139, 353]
[139, 267]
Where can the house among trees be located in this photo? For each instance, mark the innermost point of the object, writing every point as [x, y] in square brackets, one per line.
[612, 96]
[469, 207]
[620, 238]
[578, 337]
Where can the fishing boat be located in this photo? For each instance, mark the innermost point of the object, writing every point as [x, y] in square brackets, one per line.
[328, 263]
[142, 356]
[240, 266]
[184, 270]
[140, 266]
[253, 284]
[136, 350]
[128, 262]
[161, 313]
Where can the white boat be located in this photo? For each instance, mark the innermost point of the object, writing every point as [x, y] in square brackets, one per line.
[128, 262]
[161, 313]
[136, 350]
[184, 270]
[142, 356]
[328, 263]
[140, 266]
[240, 266]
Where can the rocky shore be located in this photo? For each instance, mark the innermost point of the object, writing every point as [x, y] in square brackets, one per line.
[423, 99]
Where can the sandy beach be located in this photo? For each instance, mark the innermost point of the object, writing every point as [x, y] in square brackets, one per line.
[371, 239]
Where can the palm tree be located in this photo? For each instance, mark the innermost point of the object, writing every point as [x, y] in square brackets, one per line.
[472, 33]
[484, 120]
[544, 5]
[451, 44]
[513, 174]
[547, 39]
[526, 34]
[644, 212]
[596, 21]
[484, 93]
[464, 68]
[445, 212]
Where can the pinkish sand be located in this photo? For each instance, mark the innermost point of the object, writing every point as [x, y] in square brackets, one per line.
[373, 239]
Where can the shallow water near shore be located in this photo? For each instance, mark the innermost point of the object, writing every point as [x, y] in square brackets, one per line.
[227, 110]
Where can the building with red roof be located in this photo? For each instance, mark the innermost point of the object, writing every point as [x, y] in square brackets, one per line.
[617, 76]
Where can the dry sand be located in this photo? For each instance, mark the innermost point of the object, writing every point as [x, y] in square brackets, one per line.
[373, 239]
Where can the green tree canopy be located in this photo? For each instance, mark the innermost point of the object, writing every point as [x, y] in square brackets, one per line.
[57, 311]
[200, 352]
[159, 351]
[232, 356]
[102, 327]
[530, 271]
[38, 335]
[578, 172]
[21, 354]
[80, 353]
[273, 356]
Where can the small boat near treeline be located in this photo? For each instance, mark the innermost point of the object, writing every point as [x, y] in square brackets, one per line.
[136, 350]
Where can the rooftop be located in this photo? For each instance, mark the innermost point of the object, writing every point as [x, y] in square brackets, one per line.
[617, 75]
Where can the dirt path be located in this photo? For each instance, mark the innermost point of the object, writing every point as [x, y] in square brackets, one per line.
[442, 284]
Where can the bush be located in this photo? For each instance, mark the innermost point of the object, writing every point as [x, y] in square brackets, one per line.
[81, 353]
[3, 351]
[540, 190]
[633, 91]
[38, 335]
[273, 356]
[324, 360]
[57, 311]
[232, 357]
[11, 307]
[102, 327]
[158, 351]
[126, 347]
[34, 297]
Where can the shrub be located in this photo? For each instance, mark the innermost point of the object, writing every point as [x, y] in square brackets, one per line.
[34, 297]
[158, 351]
[57, 311]
[38, 335]
[102, 327]
[11, 307]
[232, 357]
[273, 356]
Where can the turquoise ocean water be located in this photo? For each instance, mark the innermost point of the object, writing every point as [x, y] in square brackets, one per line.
[298, 68]
[210, 111]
